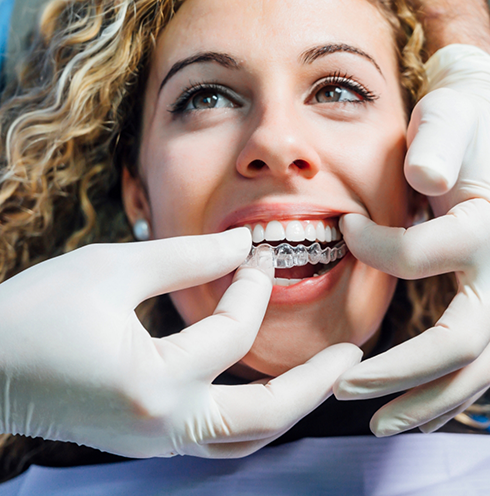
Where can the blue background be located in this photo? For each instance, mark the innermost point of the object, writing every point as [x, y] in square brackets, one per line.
[6, 7]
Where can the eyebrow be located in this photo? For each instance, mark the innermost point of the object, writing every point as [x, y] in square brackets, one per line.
[225, 60]
[221, 58]
[312, 54]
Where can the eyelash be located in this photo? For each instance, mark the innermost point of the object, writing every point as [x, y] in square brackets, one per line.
[179, 106]
[336, 79]
[348, 82]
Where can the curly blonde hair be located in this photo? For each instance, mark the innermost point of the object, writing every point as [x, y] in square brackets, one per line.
[72, 117]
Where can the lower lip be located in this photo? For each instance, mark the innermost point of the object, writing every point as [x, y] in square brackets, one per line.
[310, 289]
[306, 291]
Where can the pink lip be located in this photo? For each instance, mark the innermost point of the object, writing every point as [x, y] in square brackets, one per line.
[307, 291]
[275, 211]
[312, 288]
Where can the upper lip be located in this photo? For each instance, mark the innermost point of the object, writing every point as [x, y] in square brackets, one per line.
[265, 212]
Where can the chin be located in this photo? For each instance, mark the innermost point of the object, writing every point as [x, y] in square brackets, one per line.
[292, 334]
[346, 304]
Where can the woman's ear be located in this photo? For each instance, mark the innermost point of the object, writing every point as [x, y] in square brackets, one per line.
[134, 197]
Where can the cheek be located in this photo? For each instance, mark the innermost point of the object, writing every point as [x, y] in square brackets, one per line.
[373, 169]
[386, 190]
[367, 301]
[184, 177]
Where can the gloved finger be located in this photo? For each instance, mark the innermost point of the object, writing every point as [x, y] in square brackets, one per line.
[230, 448]
[459, 337]
[441, 128]
[437, 423]
[227, 448]
[433, 404]
[234, 449]
[254, 412]
[445, 244]
[212, 345]
[145, 269]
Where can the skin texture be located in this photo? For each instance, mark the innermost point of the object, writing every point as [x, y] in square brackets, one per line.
[454, 21]
[199, 171]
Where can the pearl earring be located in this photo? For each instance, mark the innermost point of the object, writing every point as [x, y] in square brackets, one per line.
[141, 230]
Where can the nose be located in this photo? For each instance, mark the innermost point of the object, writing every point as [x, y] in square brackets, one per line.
[278, 145]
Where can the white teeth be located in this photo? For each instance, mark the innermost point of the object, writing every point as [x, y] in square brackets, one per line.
[295, 231]
[320, 232]
[310, 232]
[258, 234]
[328, 234]
[278, 281]
[274, 231]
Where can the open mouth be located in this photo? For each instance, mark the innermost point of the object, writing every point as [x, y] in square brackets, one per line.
[300, 249]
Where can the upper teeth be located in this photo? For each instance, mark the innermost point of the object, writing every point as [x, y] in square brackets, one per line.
[295, 231]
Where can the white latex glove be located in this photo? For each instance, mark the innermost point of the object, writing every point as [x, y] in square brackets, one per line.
[447, 367]
[77, 365]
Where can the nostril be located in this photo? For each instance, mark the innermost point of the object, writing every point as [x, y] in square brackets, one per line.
[257, 164]
[301, 164]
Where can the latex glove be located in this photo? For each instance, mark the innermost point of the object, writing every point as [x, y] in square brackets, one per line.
[447, 367]
[77, 365]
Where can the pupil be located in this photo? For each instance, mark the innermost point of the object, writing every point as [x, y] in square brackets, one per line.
[205, 100]
[330, 94]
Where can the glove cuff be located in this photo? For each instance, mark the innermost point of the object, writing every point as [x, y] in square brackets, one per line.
[461, 67]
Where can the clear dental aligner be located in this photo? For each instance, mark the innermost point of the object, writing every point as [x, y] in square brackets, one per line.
[286, 256]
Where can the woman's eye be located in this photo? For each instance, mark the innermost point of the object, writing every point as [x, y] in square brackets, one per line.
[332, 94]
[208, 99]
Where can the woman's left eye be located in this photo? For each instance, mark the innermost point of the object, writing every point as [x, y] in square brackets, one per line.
[340, 88]
[333, 93]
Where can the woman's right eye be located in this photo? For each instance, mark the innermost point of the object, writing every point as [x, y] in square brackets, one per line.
[202, 98]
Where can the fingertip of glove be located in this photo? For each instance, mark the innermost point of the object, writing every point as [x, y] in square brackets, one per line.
[433, 425]
[341, 224]
[425, 430]
[355, 352]
[382, 427]
[265, 266]
[351, 224]
[343, 390]
[428, 180]
[349, 353]
[239, 238]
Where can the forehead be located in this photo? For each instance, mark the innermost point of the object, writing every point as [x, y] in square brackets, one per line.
[274, 29]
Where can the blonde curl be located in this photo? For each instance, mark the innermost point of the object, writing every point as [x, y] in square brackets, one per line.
[70, 122]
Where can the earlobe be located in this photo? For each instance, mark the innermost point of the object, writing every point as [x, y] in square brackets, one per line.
[134, 198]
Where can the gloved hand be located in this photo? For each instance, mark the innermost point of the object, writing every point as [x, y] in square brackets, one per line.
[447, 367]
[77, 365]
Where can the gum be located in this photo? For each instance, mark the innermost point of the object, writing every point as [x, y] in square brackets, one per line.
[286, 256]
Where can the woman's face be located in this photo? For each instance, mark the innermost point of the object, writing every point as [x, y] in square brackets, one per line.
[277, 110]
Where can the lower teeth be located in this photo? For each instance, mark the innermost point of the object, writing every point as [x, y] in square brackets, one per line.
[286, 282]
[279, 281]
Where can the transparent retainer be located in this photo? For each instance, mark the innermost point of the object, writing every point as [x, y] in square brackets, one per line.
[286, 256]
